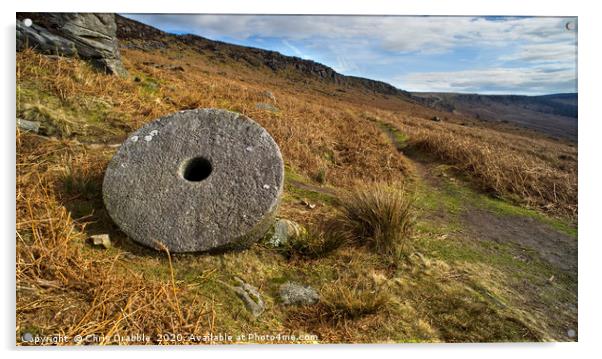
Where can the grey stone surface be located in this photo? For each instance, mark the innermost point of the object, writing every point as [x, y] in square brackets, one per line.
[90, 36]
[147, 194]
[283, 231]
[269, 94]
[250, 296]
[32, 126]
[266, 107]
[101, 240]
[296, 294]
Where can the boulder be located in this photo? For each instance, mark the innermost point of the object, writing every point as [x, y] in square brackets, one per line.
[90, 36]
[196, 180]
[266, 107]
[269, 95]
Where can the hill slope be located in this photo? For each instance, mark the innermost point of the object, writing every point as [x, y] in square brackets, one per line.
[137, 35]
[491, 254]
[555, 115]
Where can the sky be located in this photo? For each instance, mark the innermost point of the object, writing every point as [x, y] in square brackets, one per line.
[487, 55]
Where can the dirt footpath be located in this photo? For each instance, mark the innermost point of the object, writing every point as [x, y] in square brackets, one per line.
[559, 249]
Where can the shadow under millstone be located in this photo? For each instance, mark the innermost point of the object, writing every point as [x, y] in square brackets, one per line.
[81, 194]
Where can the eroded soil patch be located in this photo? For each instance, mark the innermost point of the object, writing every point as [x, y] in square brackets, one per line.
[557, 248]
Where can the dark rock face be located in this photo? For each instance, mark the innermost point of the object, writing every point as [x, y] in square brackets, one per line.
[128, 29]
[197, 180]
[90, 36]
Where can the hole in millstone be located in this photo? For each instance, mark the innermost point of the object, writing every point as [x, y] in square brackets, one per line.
[196, 169]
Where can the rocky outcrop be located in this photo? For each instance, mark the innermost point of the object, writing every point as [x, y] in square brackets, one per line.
[90, 36]
[249, 295]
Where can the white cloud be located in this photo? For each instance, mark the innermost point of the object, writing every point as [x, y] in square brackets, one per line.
[393, 33]
[345, 65]
[294, 49]
[496, 80]
[544, 52]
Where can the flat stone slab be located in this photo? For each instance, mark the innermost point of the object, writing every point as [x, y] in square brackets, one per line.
[196, 180]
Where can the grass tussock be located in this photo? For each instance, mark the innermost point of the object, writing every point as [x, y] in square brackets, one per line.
[314, 243]
[349, 308]
[378, 215]
[342, 302]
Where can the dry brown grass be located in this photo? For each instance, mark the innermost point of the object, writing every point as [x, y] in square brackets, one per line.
[346, 301]
[315, 133]
[61, 285]
[314, 243]
[530, 170]
[67, 287]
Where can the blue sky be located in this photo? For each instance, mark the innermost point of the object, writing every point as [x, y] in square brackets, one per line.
[489, 55]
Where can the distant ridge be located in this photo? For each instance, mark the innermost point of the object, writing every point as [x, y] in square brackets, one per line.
[562, 104]
[554, 114]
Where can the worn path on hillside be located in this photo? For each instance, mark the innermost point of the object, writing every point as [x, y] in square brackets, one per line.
[554, 246]
[543, 259]
[528, 233]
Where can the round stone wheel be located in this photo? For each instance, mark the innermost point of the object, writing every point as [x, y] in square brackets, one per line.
[196, 180]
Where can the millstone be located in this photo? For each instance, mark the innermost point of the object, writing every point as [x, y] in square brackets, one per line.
[197, 180]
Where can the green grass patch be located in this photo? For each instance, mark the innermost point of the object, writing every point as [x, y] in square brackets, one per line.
[300, 188]
[147, 85]
[502, 207]
[399, 138]
[87, 117]
[449, 199]
[454, 195]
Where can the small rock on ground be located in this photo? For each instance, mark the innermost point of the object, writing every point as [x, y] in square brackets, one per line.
[296, 294]
[284, 229]
[32, 126]
[269, 94]
[266, 107]
[250, 296]
[101, 240]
